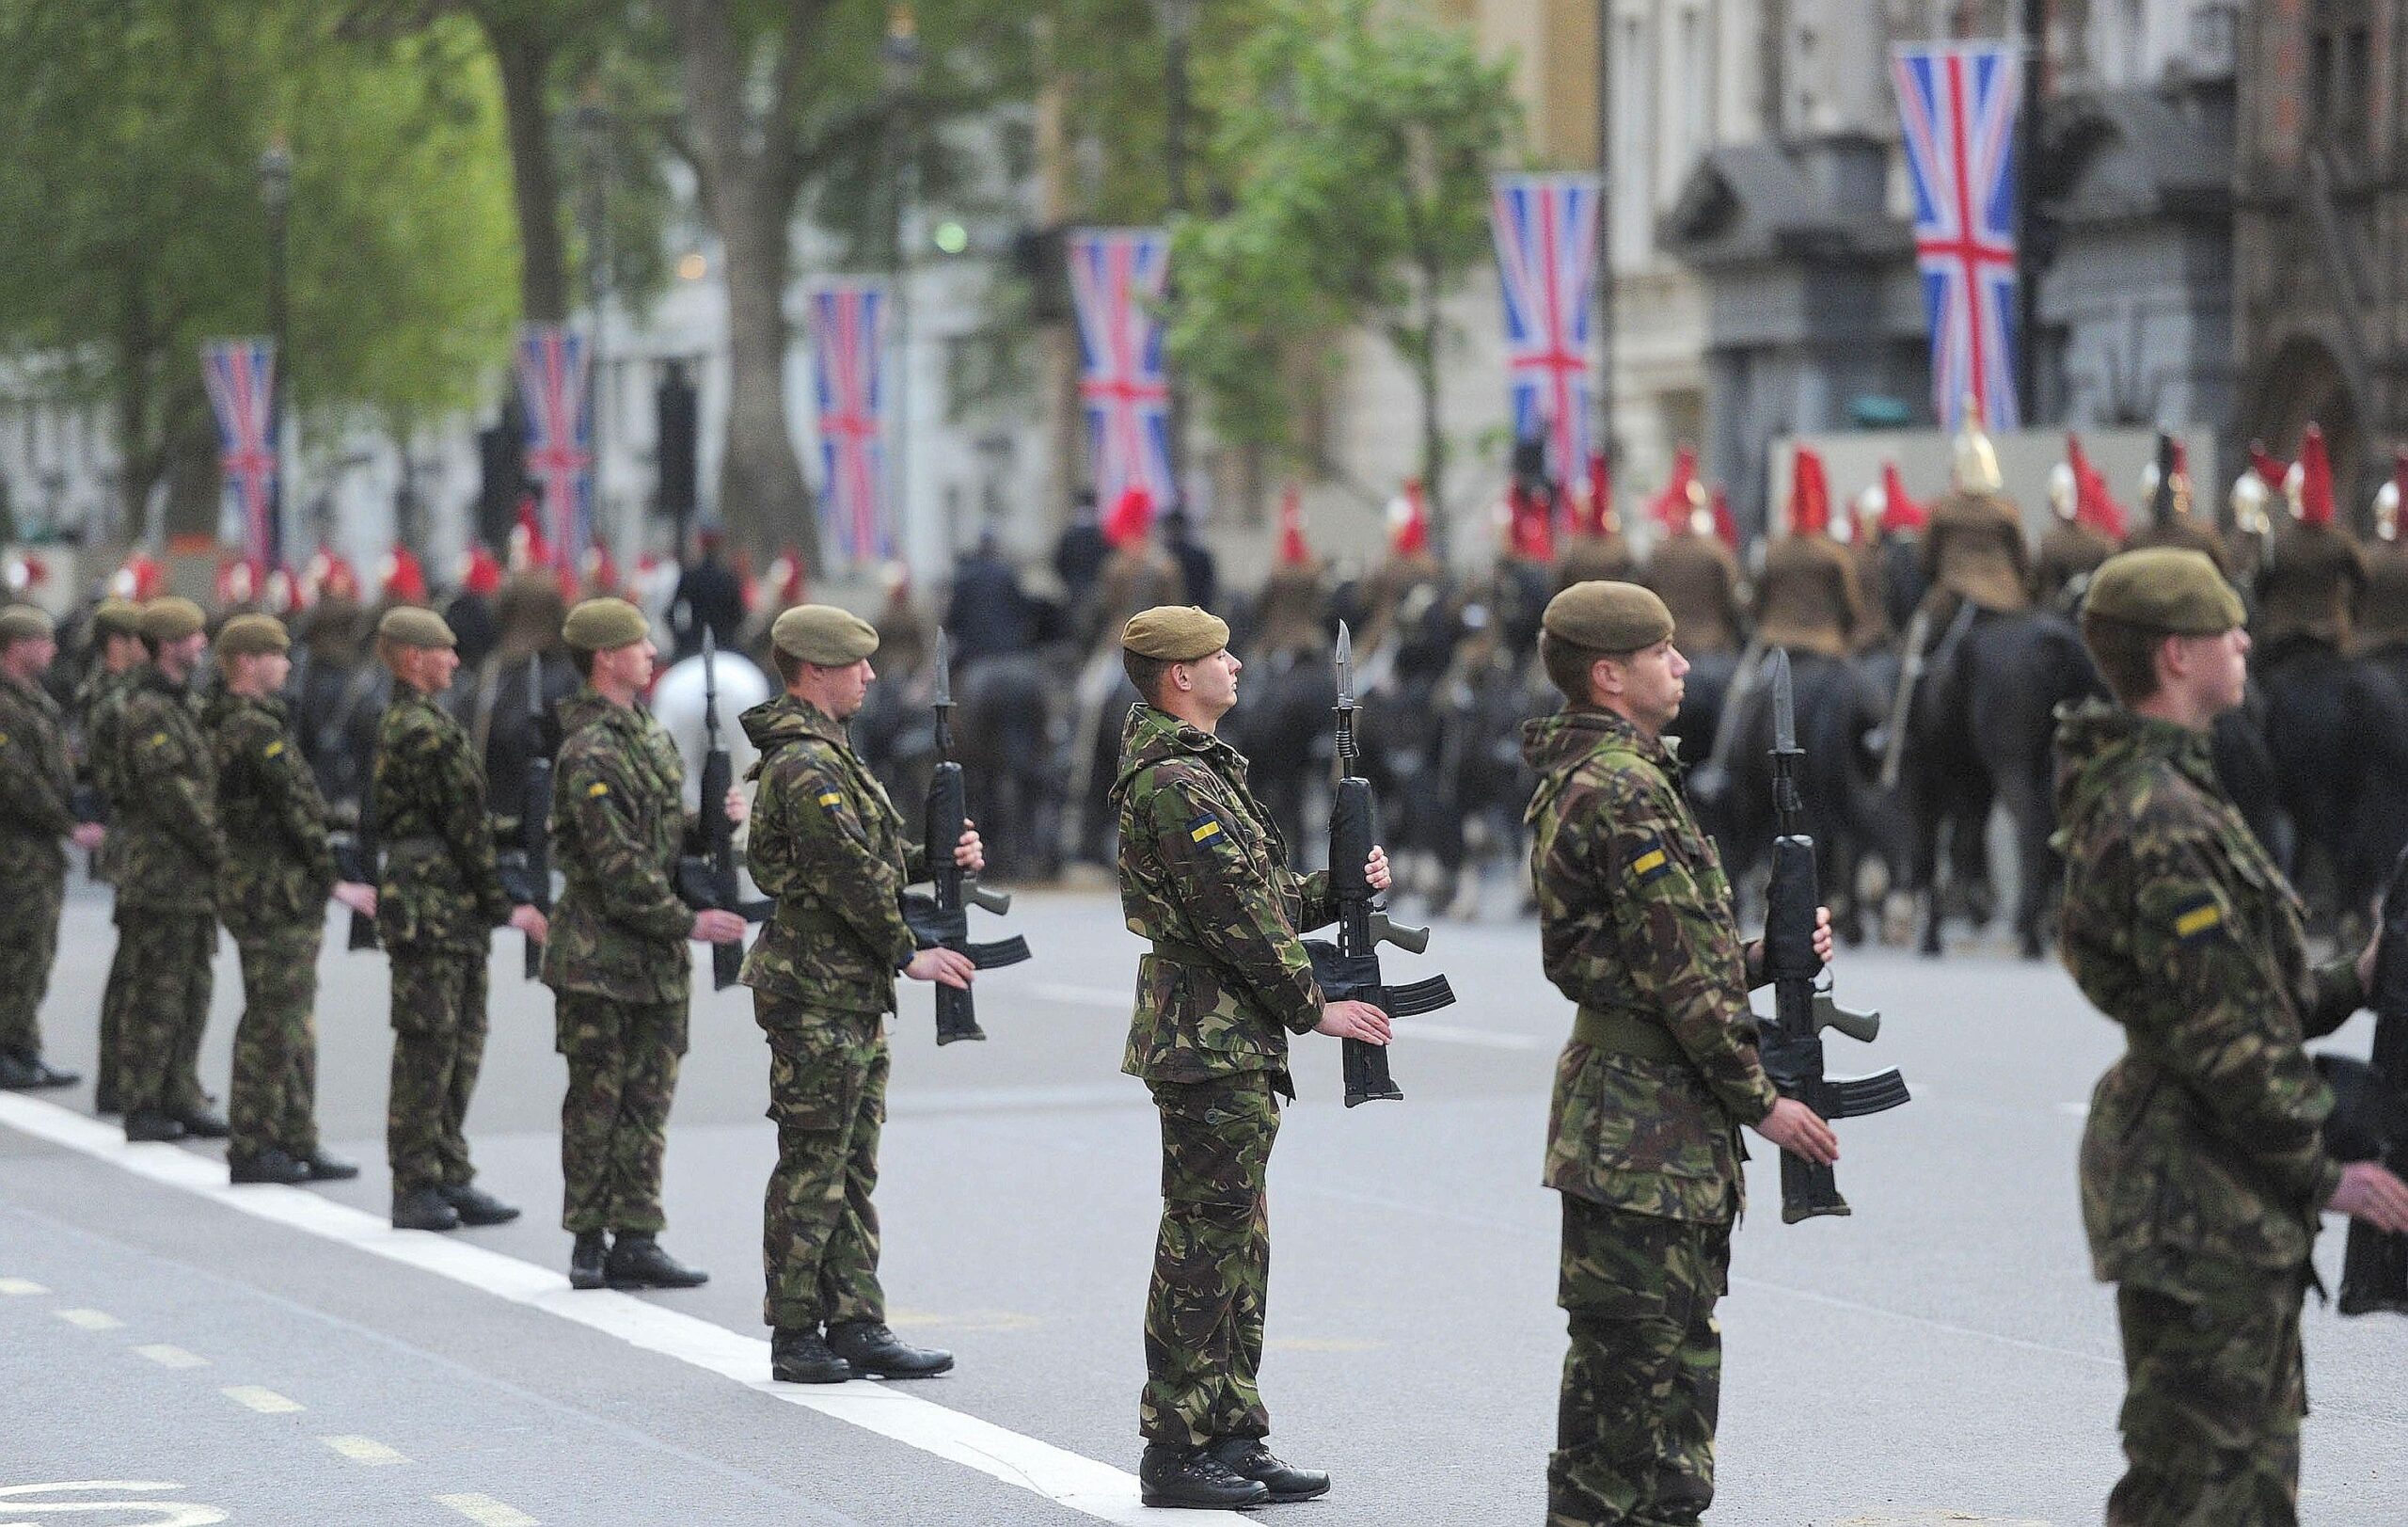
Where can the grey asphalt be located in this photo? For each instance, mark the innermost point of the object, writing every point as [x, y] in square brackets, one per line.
[1941, 1356]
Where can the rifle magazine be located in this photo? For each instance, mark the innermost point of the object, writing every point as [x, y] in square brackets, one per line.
[1426, 995]
[1853, 1097]
[1009, 951]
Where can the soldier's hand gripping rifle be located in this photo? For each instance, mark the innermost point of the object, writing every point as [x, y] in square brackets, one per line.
[1348, 970]
[1792, 1042]
[2369, 1117]
[710, 883]
[356, 860]
[942, 917]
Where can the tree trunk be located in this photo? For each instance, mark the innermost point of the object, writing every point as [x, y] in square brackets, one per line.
[523, 58]
[1433, 434]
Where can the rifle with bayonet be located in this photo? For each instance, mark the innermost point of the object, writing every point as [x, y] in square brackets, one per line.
[942, 916]
[710, 883]
[2369, 1117]
[1348, 969]
[1792, 1042]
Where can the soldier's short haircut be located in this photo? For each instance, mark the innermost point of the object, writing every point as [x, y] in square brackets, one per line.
[1568, 665]
[581, 659]
[1147, 674]
[789, 667]
[2126, 655]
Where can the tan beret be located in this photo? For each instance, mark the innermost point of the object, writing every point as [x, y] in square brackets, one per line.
[24, 623]
[604, 626]
[117, 618]
[2165, 588]
[823, 635]
[1605, 616]
[171, 617]
[406, 624]
[248, 636]
[1174, 633]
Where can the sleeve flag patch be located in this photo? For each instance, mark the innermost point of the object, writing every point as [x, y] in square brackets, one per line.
[1651, 865]
[596, 791]
[274, 749]
[831, 798]
[2197, 920]
[1204, 828]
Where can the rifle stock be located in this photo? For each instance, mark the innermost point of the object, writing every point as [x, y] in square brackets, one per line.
[941, 917]
[710, 883]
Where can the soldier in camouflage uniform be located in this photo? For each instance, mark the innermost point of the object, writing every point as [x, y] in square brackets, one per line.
[1637, 927]
[437, 902]
[279, 870]
[169, 854]
[616, 959]
[829, 847]
[1204, 875]
[2203, 1165]
[34, 781]
[100, 706]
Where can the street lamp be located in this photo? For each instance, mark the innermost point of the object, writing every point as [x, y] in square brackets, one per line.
[900, 65]
[1177, 19]
[275, 195]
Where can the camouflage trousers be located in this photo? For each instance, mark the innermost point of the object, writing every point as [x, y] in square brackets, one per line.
[1211, 1262]
[28, 945]
[818, 1230]
[614, 1119]
[167, 956]
[115, 997]
[1642, 1381]
[272, 1105]
[2215, 1387]
[439, 1042]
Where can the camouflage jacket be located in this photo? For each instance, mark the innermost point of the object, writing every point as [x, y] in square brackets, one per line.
[1204, 874]
[35, 778]
[829, 847]
[441, 888]
[618, 825]
[279, 865]
[99, 707]
[2204, 1141]
[169, 849]
[1636, 922]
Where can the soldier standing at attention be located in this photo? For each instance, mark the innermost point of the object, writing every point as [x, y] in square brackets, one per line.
[35, 779]
[616, 959]
[1635, 926]
[279, 870]
[2203, 1163]
[170, 852]
[100, 706]
[829, 847]
[1204, 875]
[437, 903]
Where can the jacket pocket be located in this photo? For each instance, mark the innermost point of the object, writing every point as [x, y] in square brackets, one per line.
[1197, 1011]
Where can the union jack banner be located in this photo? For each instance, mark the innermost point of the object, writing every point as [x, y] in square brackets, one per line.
[241, 378]
[1119, 276]
[1547, 266]
[848, 359]
[1958, 105]
[555, 382]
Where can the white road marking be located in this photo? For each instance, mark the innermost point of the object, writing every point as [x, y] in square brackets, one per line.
[14, 1502]
[1068, 1479]
[488, 1512]
[1483, 1038]
[21, 1286]
[89, 1319]
[1090, 997]
[265, 1401]
[172, 1356]
[365, 1450]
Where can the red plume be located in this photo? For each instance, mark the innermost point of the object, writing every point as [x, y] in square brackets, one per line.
[1810, 495]
[1595, 516]
[2268, 471]
[1726, 524]
[601, 569]
[1671, 507]
[483, 575]
[1293, 551]
[2316, 481]
[1132, 514]
[404, 577]
[2093, 505]
[1409, 522]
[1528, 533]
[1899, 513]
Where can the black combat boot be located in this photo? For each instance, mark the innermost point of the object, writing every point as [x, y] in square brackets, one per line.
[326, 1169]
[637, 1261]
[104, 1100]
[21, 1071]
[1191, 1479]
[1248, 1458]
[585, 1260]
[868, 1346]
[424, 1208]
[475, 1206]
[269, 1165]
[203, 1125]
[150, 1124]
[799, 1356]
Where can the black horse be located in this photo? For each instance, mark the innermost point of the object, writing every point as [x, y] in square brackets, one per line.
[2334, 730]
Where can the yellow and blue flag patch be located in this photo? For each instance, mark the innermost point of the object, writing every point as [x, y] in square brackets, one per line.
[831, 798]
[1204, 828]
[1652, 863]
[596, 791]
[2198, 920]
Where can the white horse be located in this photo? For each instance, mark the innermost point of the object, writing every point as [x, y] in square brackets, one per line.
[677, 705]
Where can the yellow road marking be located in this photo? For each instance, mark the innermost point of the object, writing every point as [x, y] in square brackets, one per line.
[488, 1512]
[91, 1319]
[265, 1401]
[173, 1357]
[363, 1450]
[21, 1285]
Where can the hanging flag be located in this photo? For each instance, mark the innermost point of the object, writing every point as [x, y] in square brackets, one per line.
[1546, 265]
[1119, 276]
[555, 382]
[241, 378]
[1958, 105]
[848, 341]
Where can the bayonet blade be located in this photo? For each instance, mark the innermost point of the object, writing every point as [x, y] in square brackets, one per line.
[1345, 667]
[1784, 714]
[945, 671]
